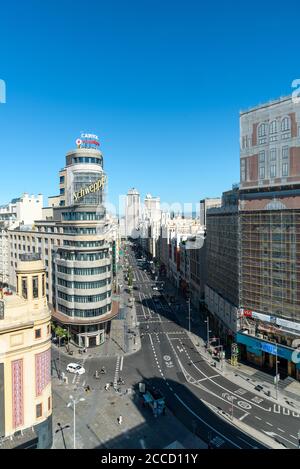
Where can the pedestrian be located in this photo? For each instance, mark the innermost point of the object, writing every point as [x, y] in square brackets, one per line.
[120, 419]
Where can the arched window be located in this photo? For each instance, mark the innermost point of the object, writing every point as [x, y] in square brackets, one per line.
[273, 127]
[262, 133]
[262, 130]
[285, 124]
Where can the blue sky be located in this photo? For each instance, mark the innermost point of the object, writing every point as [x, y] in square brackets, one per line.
[160, 82]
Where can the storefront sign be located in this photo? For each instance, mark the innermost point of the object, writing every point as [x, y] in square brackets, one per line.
[269, 348]
[261, 317]
[288, 324]
[95, 187]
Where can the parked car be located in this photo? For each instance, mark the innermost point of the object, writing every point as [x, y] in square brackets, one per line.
[75, 368]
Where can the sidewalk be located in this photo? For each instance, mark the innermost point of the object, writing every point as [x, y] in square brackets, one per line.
[243, 375]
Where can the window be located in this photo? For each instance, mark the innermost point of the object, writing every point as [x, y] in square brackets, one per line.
[48, 329]
[35, 286]
[62, 191]
[284, 169]
[273, 127]
[273, 171]
[285, 152]
[243, 170]
[285, 124]
[262, 156]
[38, 333]
[24, 287]
[62, 179]
[49, 403]
[261, 172]
[273, 154]
[262, 130]
[39, 410]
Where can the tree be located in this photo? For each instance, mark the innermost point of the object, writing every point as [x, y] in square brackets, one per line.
[60, 332]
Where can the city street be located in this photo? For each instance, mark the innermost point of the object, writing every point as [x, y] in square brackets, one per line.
[185, 377]
[207, 403]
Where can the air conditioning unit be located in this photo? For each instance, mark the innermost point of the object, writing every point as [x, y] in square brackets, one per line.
[266, 337]
[260, 336]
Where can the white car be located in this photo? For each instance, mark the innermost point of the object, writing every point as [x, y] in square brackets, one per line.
[75, 368]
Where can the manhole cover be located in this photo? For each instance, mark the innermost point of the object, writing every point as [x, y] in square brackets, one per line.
[112, 403]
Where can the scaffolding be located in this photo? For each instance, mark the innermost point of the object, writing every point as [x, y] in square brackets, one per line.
[270, 262]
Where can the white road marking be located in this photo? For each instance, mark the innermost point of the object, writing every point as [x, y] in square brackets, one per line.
[222, 387]
[258, 418]
[121, 364]
[243, 416]
[203, 421]
[280, 429]
[268, 423]
[204, 379]
[274, 434]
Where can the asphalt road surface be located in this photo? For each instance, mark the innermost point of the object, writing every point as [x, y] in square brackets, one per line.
[195, 392]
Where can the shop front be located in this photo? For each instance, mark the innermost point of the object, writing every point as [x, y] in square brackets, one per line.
[263, 353]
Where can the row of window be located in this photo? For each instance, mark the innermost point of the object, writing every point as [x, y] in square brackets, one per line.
[81, 216]
[80, 256]
[83, 271]
[273, 173]
[84, 299]
[84, 313]
[86, 159]
[273, 154]
[83, 285]
[35, 286]
[264, 130]
[84, 244]
[274, 127]
[78, 230]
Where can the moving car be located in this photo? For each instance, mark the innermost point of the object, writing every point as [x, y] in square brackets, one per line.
[75, 368]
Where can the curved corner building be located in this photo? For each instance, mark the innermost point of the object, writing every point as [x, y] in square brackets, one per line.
[75, 241]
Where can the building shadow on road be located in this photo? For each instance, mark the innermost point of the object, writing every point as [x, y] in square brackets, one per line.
[187, 420]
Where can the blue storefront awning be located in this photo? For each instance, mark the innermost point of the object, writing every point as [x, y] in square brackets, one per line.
[258, 346]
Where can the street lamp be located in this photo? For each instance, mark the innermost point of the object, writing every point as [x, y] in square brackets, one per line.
[61, 429]
[207, 331]
[189, 309]
[74, 402]
[276, 379]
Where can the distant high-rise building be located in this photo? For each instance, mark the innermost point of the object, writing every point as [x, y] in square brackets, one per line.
[132, 213]
[205, 204]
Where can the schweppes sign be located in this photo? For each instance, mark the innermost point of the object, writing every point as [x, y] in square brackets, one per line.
[95, 187]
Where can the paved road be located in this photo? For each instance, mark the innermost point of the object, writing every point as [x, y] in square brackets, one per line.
[195, 391]
[174, 358]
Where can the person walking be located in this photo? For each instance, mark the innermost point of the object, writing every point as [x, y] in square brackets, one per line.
[120, 419]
